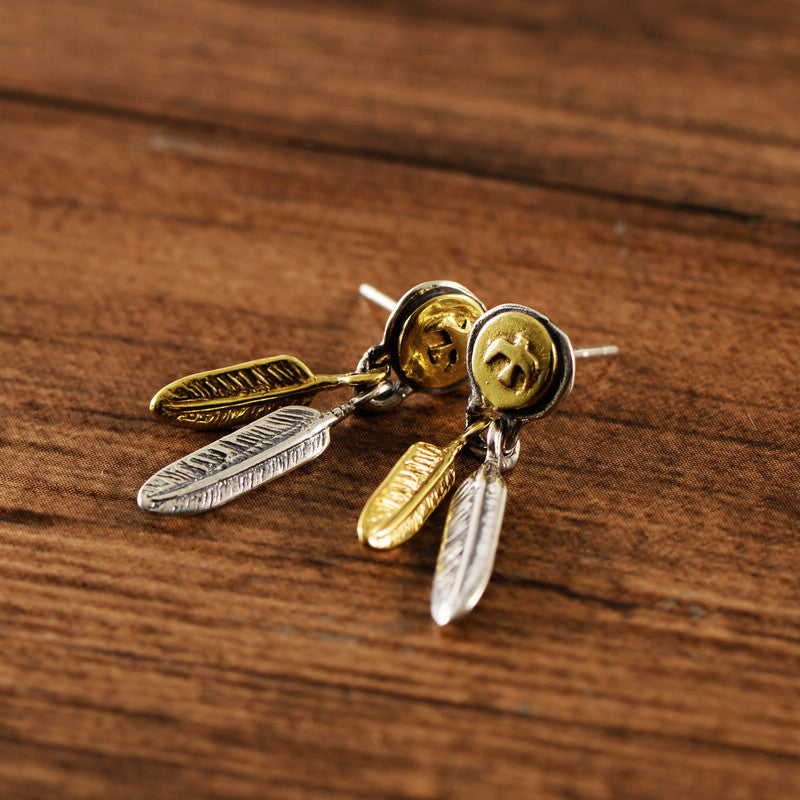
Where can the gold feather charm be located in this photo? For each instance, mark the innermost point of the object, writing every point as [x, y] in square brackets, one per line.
[411, 492]
[232, 396]
[423, 345]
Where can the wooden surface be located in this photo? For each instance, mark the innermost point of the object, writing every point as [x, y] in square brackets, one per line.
[188, 185]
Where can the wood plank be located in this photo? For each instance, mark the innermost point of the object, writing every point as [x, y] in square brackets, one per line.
[695, 104]
[641, 633]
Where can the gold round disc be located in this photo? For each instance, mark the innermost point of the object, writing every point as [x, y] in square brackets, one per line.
[513, 360]
[432, 346]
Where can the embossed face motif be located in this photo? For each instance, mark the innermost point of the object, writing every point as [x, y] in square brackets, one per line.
[433, 343]
[513, 360]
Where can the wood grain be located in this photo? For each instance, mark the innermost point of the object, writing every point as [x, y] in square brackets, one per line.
[183, 187]
[692, 103]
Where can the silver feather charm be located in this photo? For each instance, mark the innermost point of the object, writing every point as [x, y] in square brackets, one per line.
[471, 533]
[235, 464]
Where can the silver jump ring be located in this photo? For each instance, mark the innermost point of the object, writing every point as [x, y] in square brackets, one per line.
[374, 359]
[502, 439]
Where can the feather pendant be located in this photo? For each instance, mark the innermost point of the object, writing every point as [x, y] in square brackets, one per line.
[232, 396]
[239, 462]
[408, 495]
[471, 533]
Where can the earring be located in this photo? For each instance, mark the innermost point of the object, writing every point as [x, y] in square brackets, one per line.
[424, 343]
[520, 366]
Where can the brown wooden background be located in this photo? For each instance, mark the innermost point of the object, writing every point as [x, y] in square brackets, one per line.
[185, 185]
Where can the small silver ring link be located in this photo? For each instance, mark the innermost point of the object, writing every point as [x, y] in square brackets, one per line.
[502, 437]
[370, 361]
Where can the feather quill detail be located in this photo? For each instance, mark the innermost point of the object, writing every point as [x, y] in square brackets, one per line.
[239, 462]
[408, 495]
[239, 394]
[471, 534]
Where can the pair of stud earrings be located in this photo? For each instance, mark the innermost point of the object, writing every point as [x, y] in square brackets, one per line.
[519, 365]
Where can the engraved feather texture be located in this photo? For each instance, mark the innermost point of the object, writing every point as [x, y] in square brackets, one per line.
[469, 544]
[232, 396]
[408, 495]
[239, 462]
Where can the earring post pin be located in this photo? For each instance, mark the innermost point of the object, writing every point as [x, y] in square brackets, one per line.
[593, 352]
[377, 296]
